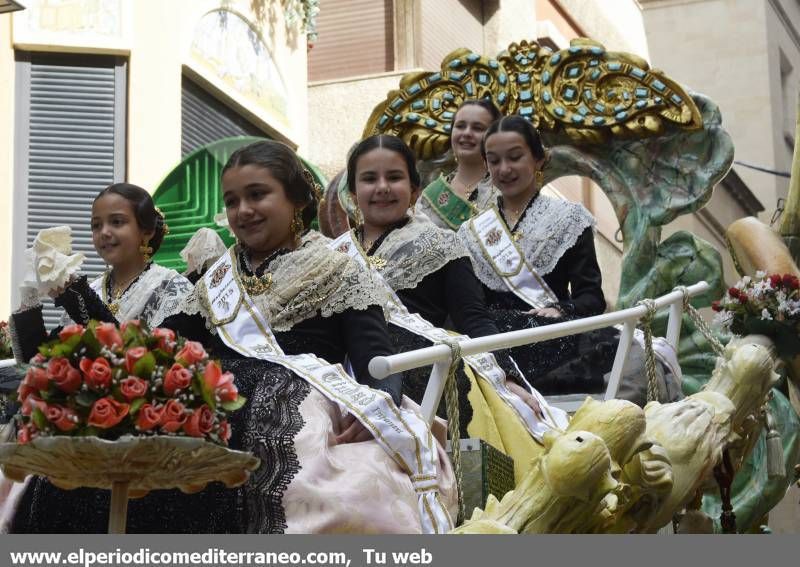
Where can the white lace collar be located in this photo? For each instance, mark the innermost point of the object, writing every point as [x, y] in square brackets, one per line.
[549, 228]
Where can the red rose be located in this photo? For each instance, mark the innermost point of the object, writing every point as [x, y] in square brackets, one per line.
[224, 431]
[191, 353]
[35, 380]
[176, 378]
[71, 330]
[221, 384]
[742, 298]
[133, 387]
[70, 381]
[63, 418]
[733, 292]
[107, 412]
[715, 306]
[132, 323]
[149, 416]
[775, 280]
[57, 368]
[132, 356]
[200, 422]
[97, 372]
[24, 434]
[166, 339]
[108, 335]
[791, 281]
[174, 416]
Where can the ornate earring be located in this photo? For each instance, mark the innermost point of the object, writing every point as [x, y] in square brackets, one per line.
[297, 226]
[145, 250]
[357, 216]
[538, 178]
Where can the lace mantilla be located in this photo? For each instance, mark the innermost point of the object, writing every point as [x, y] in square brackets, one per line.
[156, 295]
[550, 227]
[416, 250]
[310, 280]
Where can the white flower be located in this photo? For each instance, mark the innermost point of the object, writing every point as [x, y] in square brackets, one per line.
[765, 315]
[761, 274]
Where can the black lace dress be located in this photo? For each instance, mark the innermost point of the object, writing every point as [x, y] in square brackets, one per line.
[305, 482]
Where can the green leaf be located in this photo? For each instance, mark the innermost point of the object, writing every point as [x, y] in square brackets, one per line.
[234, 404]
[144, 366]
[93, 346]
[136, 405]
[86, 398]
[38, 418]
[207, 393]
[90, 431]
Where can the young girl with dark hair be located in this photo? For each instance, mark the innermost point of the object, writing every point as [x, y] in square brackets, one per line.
[452, 199]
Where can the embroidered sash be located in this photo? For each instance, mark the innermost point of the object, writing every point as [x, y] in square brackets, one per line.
[484, 364]
[400, 432]
[507, 260]
[449, 205]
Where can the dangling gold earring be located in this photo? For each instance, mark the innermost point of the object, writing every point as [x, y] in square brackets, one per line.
[357, 216]
[145, 250]
[539, 178]
[297, 226]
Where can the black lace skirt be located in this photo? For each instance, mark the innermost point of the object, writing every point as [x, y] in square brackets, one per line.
[266, 426]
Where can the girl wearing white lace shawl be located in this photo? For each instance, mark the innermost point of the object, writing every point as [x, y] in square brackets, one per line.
[126, 230]
[559, 278]
[429, 272]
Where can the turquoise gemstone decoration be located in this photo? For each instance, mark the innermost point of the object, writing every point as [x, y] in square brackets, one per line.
[447, 127]
[659, 100]
[626, 95]
[524, 61]
[599, 120]
[546, 78]
[570, 93]
[448, 115]
[449, 97]
[501, 98]
[502, 79]
[555, 59]
[526, 110]
[456, 76]
[597, 50]
[641, 92]
[614, 66]
[455, 63]
[583, 110]
[574, 71]
[483, 78]
[418, 104]
[382, 122]
[560, 112]
[620, 116]
[435, 77]
[587, 95]
[412, 117]
[599, 107]
[398, 117]
[574, 49]
[638, 73]
[619, 108]
[414, 89]
[594, 63]
[641, 104]
[470, 88]
[436, 104]
[523, 78]
[396, 103]
[676, 99]
[472, 57]
[595, 74]
[430, 123]
[658, 85]
[518, 57]
[525, 95]
[546, 97]
[493, 64]
[577, 118]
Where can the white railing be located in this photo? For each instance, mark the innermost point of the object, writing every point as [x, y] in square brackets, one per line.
[439, 355]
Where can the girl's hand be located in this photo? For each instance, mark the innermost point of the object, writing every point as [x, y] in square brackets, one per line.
[353, 431]
[549, 312]
[526, 397]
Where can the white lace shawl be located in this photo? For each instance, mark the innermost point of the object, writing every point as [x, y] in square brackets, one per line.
[306, 282]
[416, 250]
[156, 295]
[550, 227]
[487, 194]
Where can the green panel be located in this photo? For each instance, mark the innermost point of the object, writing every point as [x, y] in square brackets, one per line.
[190, 196]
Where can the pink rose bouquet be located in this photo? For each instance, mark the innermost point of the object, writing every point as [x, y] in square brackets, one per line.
[108, 381]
